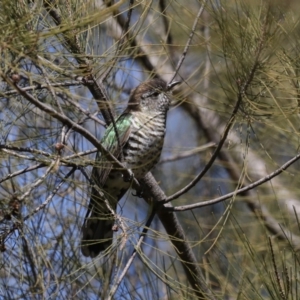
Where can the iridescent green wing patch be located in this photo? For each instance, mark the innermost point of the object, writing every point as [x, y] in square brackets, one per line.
[111, 144]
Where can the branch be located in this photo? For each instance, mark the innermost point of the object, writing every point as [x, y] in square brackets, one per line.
[187, 153]
[131, 258]
[187, 46]
[162, 6]
[177, 238]
[23, 171]
[12, 153]
[237, 192]
[86, 112]
[121, 41]
[37, 182]
[25, 149]
[49, 198]
[16, 225]
[41, 87]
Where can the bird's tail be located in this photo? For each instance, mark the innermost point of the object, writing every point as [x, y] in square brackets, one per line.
[97, 228]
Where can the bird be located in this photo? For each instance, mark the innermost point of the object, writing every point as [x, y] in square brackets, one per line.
[136, 139]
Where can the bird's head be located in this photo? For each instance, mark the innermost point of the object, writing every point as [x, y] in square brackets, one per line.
[151, 96]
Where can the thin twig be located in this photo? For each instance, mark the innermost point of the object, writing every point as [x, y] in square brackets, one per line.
[16, 225]
[35, 184]
[273, 226]
[133, 255]
[121, 41]
[96, 88]
[187, 153]
[238, 191]
[162, 6]
[49, 198]
[25, 149]
[79, 154]
[178, 238]
[187, 46]
[86, 112]
[66, 161]
[42, 86]
[281, 292]
[12, 153]
[50, 88]
[23, 171]
[139, 53]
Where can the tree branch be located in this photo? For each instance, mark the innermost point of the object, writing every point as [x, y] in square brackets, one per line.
[238, 191]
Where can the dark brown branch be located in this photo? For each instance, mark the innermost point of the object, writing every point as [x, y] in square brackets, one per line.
[177, 238]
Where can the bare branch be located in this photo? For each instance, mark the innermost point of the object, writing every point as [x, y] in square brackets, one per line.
[177, 238]
[131, 258]
[121, 41]
[50, 197]
[35, 184]
[188, 43]
[86, 112]
[25, 149]
[163, 8]
[238, 191]
[23, 171]
[41, 87]
[188, 153]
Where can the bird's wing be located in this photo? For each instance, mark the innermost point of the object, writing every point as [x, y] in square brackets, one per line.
[103, 164]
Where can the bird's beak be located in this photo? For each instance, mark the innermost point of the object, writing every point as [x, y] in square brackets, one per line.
[172, 84]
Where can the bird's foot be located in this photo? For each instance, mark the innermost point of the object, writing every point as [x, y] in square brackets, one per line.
[128, 177]
[139, 193]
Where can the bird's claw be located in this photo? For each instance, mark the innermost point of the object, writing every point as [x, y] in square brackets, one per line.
[128, 177]
[139, 193]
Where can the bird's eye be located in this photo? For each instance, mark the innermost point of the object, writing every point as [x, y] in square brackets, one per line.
[150, 94]
[155, 94]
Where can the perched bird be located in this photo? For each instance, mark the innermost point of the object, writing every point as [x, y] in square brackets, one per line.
[138, 144]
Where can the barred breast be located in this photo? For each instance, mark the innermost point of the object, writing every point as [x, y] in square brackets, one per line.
[143, 149]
